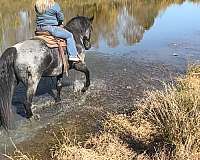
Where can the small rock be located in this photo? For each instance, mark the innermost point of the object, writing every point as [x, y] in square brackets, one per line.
[78, 85]
[128, 87]
[174, 44]
[175, 54]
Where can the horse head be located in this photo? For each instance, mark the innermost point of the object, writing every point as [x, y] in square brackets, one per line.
[87, 34]
[81, 28]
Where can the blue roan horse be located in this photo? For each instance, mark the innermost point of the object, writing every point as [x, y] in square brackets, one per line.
[29, 60]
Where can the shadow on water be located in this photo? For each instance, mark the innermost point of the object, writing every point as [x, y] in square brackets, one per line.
[46, 86]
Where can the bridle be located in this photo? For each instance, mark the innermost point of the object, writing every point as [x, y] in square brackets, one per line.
[86, 39]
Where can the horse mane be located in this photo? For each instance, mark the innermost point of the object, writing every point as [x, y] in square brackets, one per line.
[77, 24]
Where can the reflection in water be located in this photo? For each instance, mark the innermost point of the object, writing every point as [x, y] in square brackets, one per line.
[131, 30]
[116, 23]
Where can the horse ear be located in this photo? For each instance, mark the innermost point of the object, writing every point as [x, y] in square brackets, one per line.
[91, 19]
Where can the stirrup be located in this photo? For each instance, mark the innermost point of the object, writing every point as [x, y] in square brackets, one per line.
[74, 59]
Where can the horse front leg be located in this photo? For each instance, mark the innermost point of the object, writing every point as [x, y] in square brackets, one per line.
[83, 68]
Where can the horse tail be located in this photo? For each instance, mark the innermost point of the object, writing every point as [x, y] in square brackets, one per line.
[7, 80]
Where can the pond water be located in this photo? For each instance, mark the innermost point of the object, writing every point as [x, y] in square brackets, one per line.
[136, 45]
[148, 29]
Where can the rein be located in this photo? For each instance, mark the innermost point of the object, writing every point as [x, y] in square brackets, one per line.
[63, 57]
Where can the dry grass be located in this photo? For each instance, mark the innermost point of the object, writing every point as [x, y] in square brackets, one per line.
[173, 115]
[18, 155]
[102, 147]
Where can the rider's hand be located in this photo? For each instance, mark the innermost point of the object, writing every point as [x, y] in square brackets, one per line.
[60, 23]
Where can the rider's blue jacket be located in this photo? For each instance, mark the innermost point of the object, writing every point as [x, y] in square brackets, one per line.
[51, 17]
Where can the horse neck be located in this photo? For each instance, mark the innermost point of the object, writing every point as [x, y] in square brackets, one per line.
[76, 33]
[73, 27]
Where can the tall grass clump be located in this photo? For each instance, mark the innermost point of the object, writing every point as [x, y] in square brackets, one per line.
[170, 117]
[103, 146]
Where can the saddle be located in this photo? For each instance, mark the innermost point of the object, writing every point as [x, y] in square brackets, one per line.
[53, 42]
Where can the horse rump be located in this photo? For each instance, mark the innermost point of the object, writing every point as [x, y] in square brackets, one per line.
[7, 78]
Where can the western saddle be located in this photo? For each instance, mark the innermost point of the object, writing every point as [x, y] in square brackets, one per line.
[53, 42]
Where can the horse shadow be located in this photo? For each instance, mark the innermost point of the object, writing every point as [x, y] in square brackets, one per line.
[47, 85]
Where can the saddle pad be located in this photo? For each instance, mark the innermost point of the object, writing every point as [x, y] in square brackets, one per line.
[51, 41]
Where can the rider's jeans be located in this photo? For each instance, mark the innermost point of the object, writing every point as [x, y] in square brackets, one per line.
[62, 33]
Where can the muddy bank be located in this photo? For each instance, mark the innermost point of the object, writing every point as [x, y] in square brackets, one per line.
[117, 82]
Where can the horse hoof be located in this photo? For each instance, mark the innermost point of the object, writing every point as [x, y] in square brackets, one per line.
[36, 117]
[29, 115]
[57, 100]
[84, 89]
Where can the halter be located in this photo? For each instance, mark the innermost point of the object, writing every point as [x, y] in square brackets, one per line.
[86, 40]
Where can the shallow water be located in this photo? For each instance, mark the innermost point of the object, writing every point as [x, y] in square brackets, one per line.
[136, 46]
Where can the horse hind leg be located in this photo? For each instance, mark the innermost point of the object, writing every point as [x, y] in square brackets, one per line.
[31, 89]
[58, 88]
